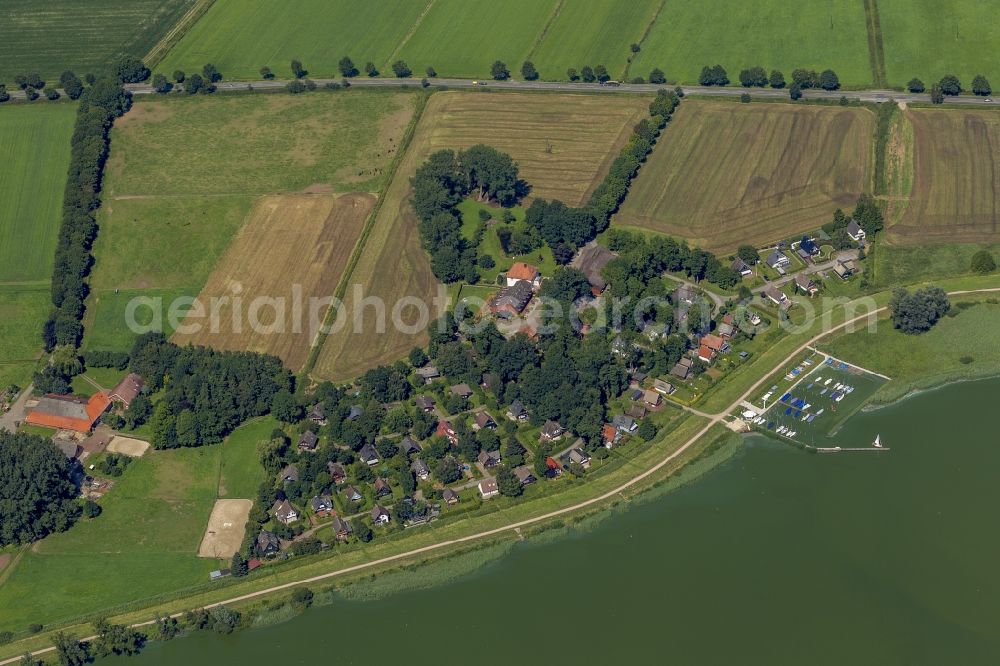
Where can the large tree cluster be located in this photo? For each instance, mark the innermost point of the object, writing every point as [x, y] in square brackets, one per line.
[917, 312]
[37, 496]
[440, 184]
[206, 393]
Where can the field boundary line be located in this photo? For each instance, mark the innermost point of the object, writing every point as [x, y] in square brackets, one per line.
[159, 51]
[404, 147]
[876, 47]
[556, 11]
[642, 39]
[409, 35]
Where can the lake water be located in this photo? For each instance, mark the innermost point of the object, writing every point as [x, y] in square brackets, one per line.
[777, 557]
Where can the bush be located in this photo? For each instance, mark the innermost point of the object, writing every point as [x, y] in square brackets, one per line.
[795, 92]
[129, 69]
[983, 262]
[981, 86]
[431, 72]
[915, 85]
[347, 68]
[950, 85]
[51, 93]
[35, 628]
[295, 87]
[179, 74]
[777, 79]
[486, 262]
[966, 360]
[745, 98]
[657, 76]
[401, 69]
[528, 71]
[302, 597]
[572, 74]
[499, 71]
[91, 509]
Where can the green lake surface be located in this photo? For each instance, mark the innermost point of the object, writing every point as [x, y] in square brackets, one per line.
[777, 557]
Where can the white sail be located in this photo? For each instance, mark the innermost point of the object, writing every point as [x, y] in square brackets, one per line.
[878, 442]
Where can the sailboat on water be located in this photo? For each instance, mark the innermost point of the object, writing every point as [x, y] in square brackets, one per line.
[878, 442]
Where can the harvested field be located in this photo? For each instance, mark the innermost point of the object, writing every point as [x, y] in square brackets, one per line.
[226, 526]
[956, 179]
[563, 144]
[291, 242]
[128, 446]
[723, 175]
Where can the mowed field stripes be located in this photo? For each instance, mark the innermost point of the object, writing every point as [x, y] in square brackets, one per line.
[725, 174]
[81, 35]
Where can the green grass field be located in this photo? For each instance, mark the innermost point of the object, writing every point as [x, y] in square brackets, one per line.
[256, 144]
[241, 472]
[903, 264]
[464, 37]
[929, 39]
[22, 312]
[818, 34]
[958, 347]
[144, 543]
[80, 35]
[194, 231]
[31, 194]
[598, 33]
[105, 322]
[241, 36]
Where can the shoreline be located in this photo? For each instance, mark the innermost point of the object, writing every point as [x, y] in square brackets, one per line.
[934, 383]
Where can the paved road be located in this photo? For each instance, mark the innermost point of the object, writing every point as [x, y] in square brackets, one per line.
[714, 420]
[811, 269]
[17, 411]
[566, 86]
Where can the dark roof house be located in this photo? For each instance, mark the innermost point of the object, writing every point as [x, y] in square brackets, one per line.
[127, 389]
[308, 441]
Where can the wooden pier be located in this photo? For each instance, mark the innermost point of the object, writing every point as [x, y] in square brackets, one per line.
[840, 449]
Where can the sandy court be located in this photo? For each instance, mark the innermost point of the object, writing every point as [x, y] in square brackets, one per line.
[128, 446]
[226, 526]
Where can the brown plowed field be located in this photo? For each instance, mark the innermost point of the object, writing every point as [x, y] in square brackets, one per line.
[291, 244]
[724, 175]
[956, 180]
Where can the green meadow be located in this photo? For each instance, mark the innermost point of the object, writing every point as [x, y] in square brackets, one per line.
[31, 195]
[464, 37]
[597, 33]
[817, 34]
[965, 344]
[145, 539]
[928, 39]
[23, 310]
[81, 35]
[240, 472]
[241, 36]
